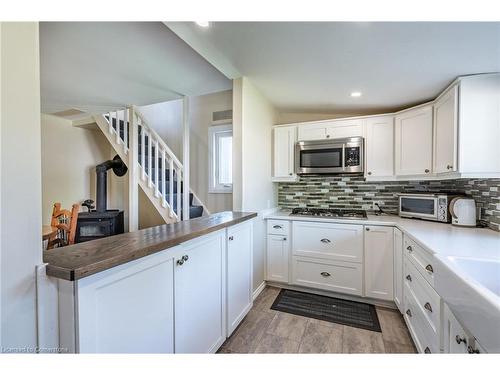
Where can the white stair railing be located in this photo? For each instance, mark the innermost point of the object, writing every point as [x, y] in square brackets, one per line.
[154, 156]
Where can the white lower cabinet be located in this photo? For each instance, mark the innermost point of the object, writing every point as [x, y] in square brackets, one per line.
[277, 258]
[342, 277]
[379, 254]
[184, 299]
[398, 269]
[199, 295]
[456, 338]
[239, 274]
[114, 314]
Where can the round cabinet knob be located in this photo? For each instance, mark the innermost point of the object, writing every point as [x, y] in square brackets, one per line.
[460, 340]
[290, 174]
[449, 167]
[180, 262]
[284, 238]
[369, 173]
[427, 171]
[328, 136]
[367, 229]
[231, 238]
[185, 258]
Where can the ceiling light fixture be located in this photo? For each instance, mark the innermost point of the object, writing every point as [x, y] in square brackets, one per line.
[203, 23]
[355, 94]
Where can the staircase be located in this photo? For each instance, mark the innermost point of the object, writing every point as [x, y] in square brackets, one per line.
[159, 172]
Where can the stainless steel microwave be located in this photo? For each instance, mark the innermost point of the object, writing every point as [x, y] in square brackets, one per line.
[341, 155]
[427, 206]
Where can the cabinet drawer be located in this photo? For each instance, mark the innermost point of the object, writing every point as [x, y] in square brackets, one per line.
[278, 227]
[425, 296]
[421, 259]
[343, 242]
[423, 337]
[339, 277]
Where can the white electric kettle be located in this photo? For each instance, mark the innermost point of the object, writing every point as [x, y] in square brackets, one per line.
[463, 212]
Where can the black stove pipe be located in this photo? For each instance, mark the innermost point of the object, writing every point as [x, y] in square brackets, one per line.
[102, 184]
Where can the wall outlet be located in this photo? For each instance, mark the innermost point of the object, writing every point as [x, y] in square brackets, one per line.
[380, 203]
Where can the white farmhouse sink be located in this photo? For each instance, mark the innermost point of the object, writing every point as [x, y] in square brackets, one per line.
[471, 288]
[484, 271]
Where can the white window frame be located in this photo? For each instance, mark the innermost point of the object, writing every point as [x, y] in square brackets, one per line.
[213, 133]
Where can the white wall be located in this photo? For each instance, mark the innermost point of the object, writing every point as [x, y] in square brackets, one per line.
[21, 195]
[69, 157]
[253, 190]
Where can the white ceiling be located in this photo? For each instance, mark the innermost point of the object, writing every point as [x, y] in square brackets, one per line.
[98, 66]
[313, 67]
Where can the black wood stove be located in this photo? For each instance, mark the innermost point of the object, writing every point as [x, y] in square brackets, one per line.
[101, 222]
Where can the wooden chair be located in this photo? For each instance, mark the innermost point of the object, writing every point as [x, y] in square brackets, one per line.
[65, 222]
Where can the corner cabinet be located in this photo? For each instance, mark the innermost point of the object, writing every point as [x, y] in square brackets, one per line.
[379, 147]
[379, 253]
[284, 138]
[413, 142]
[445, 132]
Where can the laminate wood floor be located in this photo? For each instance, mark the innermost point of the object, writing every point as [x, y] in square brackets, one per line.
[268, 331]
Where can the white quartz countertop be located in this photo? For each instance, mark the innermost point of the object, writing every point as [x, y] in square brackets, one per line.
[438, 238]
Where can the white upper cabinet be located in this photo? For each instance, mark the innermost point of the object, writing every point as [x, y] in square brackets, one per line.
[413, 142]
[330, 129]
[445, 132]
[284, 151]
[380, 146]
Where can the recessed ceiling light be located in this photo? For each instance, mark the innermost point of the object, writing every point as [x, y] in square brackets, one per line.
[203, 23]
[355, 94]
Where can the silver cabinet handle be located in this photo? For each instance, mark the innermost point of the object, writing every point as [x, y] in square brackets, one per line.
[408, 277]
[429, 268]
[428, 306]
[460, 340]
[471, 350]
[427, 171]
[231, 238]
[325, 274]
[427, 350]
[277, 226]
[408, 312]
[409, 248]
[180, 262]
[325, 240]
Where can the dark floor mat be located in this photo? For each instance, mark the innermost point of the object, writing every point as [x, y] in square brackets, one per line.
[335, 310]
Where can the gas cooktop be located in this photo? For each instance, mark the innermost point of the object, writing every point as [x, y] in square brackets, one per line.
[330, 213]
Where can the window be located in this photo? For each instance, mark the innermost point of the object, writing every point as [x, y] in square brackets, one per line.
[221, 159]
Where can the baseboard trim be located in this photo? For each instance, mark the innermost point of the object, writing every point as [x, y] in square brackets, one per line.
[258, 291]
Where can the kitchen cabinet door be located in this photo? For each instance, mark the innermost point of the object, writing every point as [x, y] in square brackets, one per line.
[380, 146]
[200, 295]
[398, 269]
[379, 254]
[312, 131]
[277, 258]
[115, 315]
[455, 338]
[284, 151]
[345, 129]
[239, 273]
[413, 130]
[445, 132]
